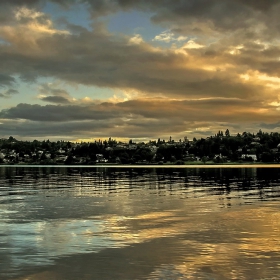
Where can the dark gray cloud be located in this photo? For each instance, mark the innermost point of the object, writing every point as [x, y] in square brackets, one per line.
[149, 118]
[31, 3]
[259, 4]
[55, 99]
[237, 37]
[8, 93]
[57, 113]
[224, 14]
[271, 126]
[7, 8]
[6, 80]
[99, 58]
[31, 130]
[139, 110]
[102, 59]
[19, 2]
[197, 16]
[52, 129]
[187, 7]
[49, 93]
[50, 89]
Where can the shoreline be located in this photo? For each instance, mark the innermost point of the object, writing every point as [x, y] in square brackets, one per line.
[181, 166]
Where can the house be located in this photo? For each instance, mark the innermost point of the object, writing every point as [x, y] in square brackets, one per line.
[122, 146]
[61, 151]
[132, 147]
[61, 159]
[48, 155]
[153, 148]
[100, 158]
[257, 139]
[247, 156]
[256, 144]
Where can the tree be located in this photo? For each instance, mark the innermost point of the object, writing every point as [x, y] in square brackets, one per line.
[69, 160]
[172, 159]
[124, 157]
[227, 133]
[11, 139]
[43, 156]
[267, 157]
[220, 134]
[204, 159]
[260, 133]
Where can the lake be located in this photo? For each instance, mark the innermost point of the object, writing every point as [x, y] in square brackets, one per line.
[139, 223]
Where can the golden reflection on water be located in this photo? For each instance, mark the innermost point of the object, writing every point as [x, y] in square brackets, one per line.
[149, 232]
[239, 243]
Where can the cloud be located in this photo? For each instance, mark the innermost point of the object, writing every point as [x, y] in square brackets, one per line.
[55, 99]
[223, 66]
[6, 80]
[191, 44]
[167, 36]
[51, 130]
[192, 16]
[25, 28]
[50, 88]
[49, 93]
[8, 93]
[136, 39]
[164, 36]
[102, 59]
[106, 60]
[118, 129]
[142, 118]
[222, 14]
[58, 113]
[159, 109]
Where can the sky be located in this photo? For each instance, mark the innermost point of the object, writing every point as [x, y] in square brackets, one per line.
[81, 70]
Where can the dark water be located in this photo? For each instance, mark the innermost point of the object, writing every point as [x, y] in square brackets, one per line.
[153, 223]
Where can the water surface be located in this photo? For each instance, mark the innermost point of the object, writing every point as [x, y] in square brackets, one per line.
[139, 223]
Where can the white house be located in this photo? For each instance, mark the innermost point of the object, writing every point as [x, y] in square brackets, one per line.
[254, 157]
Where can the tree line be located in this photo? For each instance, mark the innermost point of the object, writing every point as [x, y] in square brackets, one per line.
[221, 147]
